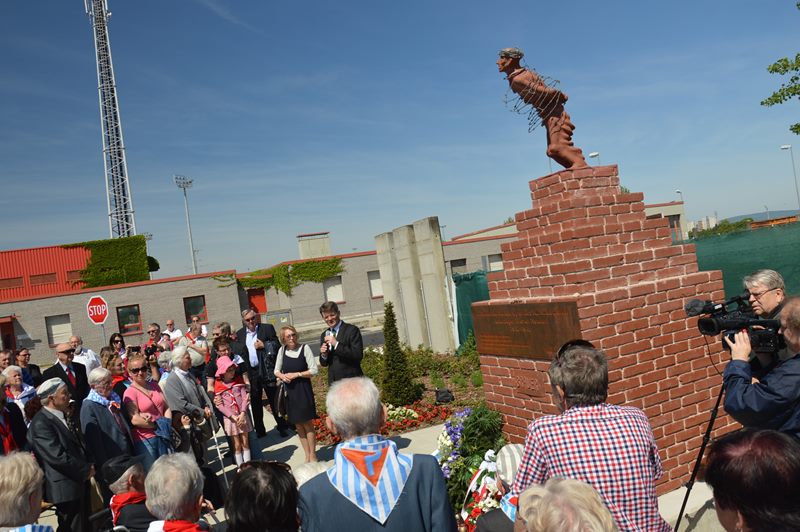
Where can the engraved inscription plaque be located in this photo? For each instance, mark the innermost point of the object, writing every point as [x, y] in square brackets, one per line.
[525, 330]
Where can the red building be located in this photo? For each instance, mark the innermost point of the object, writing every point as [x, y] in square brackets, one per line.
[41, 271]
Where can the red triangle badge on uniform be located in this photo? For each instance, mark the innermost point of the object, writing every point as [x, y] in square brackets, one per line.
[370, 465]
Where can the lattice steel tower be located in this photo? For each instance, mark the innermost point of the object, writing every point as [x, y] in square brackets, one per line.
[118, 191]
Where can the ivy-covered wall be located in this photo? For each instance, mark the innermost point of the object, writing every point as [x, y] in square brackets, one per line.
[286, 277]
[115, 261]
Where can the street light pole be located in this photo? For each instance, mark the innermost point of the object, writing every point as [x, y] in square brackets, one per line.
[679, 193]
[184, 183]
[595, 155]
[794, 170]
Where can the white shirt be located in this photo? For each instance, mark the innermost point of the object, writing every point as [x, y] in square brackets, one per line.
[252, 336]
[173, 334]
[88, 359]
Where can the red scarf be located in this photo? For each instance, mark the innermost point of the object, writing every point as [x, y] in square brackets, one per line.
[9, 393]
[180, 526]
[222, 387]
[116, 379]
[123, 499]
[9, 443]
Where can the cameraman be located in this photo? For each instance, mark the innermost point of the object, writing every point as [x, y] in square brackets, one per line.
[767, 295]
[773, 401]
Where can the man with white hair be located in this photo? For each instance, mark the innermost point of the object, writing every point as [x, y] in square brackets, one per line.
[174, 489]
[59, 448]
[371, 484]
[84, 355]
[126, 475]
[20, 493]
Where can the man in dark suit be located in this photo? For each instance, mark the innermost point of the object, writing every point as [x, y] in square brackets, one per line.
[72, 374]
[261, 349]
[340, 345]
[57, 445]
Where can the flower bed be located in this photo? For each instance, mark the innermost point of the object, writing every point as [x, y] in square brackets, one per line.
[400, 419]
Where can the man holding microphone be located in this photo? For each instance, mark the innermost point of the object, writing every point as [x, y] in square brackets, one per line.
[341, 347]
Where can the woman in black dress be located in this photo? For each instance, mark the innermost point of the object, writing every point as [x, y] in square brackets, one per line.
[295, 367]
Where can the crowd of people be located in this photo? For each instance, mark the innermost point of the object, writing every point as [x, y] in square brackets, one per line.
[591, 467]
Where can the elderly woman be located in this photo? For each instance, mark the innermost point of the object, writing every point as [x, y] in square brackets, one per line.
[31, 374]
[105, 429]
[174, 491]
[20, 492]
[13, 432]
[755, 477]
[294, 367]
[16, 390]
[145, 404]
[112, 361]
[185, 395]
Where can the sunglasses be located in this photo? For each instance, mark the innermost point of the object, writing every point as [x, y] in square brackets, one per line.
[573, 343]
[249, 319]
[152, 332]
[136, 371]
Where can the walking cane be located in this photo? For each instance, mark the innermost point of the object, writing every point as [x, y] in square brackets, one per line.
[214, 430]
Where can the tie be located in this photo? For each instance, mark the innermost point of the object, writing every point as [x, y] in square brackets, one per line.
[71, 377]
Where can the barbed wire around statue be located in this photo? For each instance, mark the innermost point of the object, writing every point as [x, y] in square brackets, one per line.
[534, 111]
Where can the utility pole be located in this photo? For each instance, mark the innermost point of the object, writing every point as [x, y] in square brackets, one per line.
[185, 183]
[118, 191]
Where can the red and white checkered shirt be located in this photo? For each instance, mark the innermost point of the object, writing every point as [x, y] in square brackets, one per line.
[609, 447]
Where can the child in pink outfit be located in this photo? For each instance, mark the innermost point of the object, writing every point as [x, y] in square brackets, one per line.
[233, 403]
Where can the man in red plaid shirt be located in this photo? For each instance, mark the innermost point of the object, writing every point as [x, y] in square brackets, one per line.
[607, 446]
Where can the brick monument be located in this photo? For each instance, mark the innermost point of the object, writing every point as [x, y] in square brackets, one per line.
[588, 263]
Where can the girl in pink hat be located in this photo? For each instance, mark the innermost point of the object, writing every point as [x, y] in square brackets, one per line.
[233, 403]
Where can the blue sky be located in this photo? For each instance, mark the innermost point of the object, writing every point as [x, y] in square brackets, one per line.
[357, 117]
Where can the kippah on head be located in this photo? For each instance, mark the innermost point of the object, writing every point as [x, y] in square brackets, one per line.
[514, 53]
[49, 387]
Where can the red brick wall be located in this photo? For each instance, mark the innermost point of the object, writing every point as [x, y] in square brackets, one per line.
[586, 241]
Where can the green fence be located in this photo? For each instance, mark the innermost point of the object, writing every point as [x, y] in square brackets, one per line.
[776, 248]
[470, 287]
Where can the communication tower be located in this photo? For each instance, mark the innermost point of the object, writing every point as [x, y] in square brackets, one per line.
[118, 191]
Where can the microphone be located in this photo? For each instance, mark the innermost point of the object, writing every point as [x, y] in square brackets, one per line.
[695, 307]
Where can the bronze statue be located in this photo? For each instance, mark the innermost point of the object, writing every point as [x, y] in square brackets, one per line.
[548, 107]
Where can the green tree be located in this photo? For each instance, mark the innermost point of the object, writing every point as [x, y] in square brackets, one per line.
[788, 90]
[398, 389]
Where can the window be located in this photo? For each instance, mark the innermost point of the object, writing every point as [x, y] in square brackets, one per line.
[74, 275]
[11, 282]
[195, 306]
[333, 289]
[129, 319]
[45, 278]
[458, 266]
[59, 328]
[375, 285]
[492, 263]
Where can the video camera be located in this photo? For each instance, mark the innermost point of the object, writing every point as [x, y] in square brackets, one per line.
[764, 336]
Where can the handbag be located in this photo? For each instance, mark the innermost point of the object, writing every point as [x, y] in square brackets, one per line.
[283, 401]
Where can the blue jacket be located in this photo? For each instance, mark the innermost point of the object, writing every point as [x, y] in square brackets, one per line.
[773, 403]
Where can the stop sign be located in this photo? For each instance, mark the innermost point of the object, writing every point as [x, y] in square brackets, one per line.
[97, 309]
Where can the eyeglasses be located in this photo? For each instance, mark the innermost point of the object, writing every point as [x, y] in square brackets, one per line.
[757, 295]
[118, 341]
[250, 319]
[291, 335]
[25, 354]
[152, 331]
[136, 370]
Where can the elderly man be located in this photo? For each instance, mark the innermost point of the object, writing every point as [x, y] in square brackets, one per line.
[261, 346]
[74, 375]
[609, 447]
[6, 358]
[84, 355]
[174, 489]
[372, 486]
[174, 334]
[341, 347]
[186, 396]
[20, 493]
[125, 475]
[767, 294]
[772, 402]
[59, 447]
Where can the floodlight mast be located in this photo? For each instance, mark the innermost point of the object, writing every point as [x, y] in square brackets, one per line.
[118, 193]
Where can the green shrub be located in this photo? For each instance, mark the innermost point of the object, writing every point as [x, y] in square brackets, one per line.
[477, 378]
[436, 381]
[459, 380]
[372, 364]
[483, 430]
[398, 388]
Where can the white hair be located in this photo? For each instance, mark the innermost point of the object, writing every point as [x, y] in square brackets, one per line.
[354, 407]
[98, 375]
[769, 278]
[10, 369]
[564, 505]
[121, 484]
[177, 355]
[305, 472]
[20, 477]
[173, 486]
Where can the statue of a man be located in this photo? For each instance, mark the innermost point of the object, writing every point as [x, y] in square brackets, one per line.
[549, 105]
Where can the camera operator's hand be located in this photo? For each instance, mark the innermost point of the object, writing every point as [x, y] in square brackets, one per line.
[740, 349]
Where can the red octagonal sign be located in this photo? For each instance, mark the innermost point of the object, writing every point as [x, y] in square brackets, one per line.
[97, 309]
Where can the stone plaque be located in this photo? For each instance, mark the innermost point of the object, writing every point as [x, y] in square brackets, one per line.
[525, 330]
